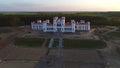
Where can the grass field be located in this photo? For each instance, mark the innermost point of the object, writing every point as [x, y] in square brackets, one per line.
[118, 50]
[114, 34]
[74, 43]
[32, 42]
[67, 43]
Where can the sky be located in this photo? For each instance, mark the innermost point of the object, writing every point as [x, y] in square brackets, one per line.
[59, 5]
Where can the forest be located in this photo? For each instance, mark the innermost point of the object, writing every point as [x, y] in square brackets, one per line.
[25, 18]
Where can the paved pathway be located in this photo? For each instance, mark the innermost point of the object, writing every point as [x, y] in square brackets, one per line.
[114, 29]
[45, 42]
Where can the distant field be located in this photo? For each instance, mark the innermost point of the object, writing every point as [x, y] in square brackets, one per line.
[51, 13]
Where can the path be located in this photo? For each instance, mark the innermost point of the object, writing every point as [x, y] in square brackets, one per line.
[110, 54]
[114, 29]
[45, 42]
[8, 40]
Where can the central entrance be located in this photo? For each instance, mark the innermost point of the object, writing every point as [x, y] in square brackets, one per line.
[58, 29]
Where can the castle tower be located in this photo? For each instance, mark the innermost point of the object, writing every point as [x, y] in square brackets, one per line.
[55, 20]
[44, 26]
[55, 24]
[73, 25]
[62, 24]
[88, 25]
[63, 21]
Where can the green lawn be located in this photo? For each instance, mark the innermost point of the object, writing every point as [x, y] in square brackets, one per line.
[33, 42]
[67, 43]
[74, 43]
[114, 34]
[118, 50]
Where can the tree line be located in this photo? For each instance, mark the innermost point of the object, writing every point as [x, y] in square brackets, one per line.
[26, 19]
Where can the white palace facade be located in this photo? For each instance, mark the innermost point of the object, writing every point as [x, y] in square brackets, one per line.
[60, 25]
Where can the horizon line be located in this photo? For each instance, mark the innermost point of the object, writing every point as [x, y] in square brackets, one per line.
[61, 11]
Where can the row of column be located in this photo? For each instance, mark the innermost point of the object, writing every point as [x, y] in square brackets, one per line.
[83, 27]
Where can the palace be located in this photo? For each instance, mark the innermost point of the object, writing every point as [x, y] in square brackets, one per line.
[60, 25]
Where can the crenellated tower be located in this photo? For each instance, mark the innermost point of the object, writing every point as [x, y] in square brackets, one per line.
[73, 25]
[55, 24]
